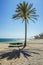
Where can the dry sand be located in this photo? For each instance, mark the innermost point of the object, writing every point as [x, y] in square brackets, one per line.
[34, 56]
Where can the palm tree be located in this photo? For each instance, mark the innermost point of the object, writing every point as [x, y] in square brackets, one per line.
[25, 11]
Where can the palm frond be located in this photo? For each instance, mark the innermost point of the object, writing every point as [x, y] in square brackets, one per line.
[25, 11]
[16, 15]
[22, 20]
[31, 19]
[34, 17]
[30, 6]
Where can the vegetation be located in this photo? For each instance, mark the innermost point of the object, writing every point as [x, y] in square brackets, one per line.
[36, 37]
[25, 12]
[40, 36]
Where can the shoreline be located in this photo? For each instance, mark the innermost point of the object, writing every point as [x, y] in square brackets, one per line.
[34, 49]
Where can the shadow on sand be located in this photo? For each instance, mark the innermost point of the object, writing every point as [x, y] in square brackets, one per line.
[16, 53]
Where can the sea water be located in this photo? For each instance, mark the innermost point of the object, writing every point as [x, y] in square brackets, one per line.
[11, 40]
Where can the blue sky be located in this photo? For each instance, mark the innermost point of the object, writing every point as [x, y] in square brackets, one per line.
[10, 28]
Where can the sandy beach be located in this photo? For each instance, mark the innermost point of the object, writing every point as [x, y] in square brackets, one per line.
[31, 55]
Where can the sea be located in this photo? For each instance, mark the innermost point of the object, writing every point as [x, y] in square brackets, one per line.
[11, 40]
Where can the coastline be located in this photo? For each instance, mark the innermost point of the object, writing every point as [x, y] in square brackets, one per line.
[35, 50]
[32, 43]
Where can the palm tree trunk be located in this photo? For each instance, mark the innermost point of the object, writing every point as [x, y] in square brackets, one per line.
[25, 33]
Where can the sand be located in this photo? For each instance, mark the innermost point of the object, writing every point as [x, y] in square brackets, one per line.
[31, 55]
